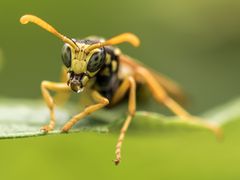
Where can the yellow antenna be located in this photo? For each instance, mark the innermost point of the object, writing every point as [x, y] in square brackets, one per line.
[125, 37]
[34, 19]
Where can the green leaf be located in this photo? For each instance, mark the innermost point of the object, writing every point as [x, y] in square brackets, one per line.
[24, 118]
[225, 113]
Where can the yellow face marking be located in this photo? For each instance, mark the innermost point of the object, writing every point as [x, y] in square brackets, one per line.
[80, 59]
[78, 66]
[85, 80]
[91, 74]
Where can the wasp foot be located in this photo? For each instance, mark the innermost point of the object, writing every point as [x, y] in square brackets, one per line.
[216, 130]
[46, 128]
[65, 128]
[116, 161]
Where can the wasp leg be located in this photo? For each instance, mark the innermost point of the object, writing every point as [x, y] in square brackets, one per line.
[53, 86]
[61, 97]
[128, 84]
[102, 101]
[161, 96]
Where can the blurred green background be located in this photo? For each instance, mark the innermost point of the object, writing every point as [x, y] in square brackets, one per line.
[196, 43]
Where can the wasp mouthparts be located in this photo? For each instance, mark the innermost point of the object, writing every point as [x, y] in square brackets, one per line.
[75, 82]
[76, 87]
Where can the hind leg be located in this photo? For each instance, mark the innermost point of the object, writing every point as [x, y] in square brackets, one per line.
[161, 96]
[128, 84]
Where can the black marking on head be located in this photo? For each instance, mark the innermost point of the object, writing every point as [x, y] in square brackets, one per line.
[66, 55]
[88, 41]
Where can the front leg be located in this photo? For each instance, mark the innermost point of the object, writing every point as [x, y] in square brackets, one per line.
[60, 98]
[53, 86]
[102, 101]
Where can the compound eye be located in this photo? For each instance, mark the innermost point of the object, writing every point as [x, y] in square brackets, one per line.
[96, 61]
[66, 55]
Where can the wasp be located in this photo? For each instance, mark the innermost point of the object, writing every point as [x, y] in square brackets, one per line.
[97, 66]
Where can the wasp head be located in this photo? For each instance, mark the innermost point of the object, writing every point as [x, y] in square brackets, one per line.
[82, 65]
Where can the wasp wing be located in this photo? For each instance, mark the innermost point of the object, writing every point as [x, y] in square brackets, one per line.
[168, 84]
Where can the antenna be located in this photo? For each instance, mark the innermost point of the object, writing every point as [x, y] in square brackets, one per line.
[125, 37]
[34, 19]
